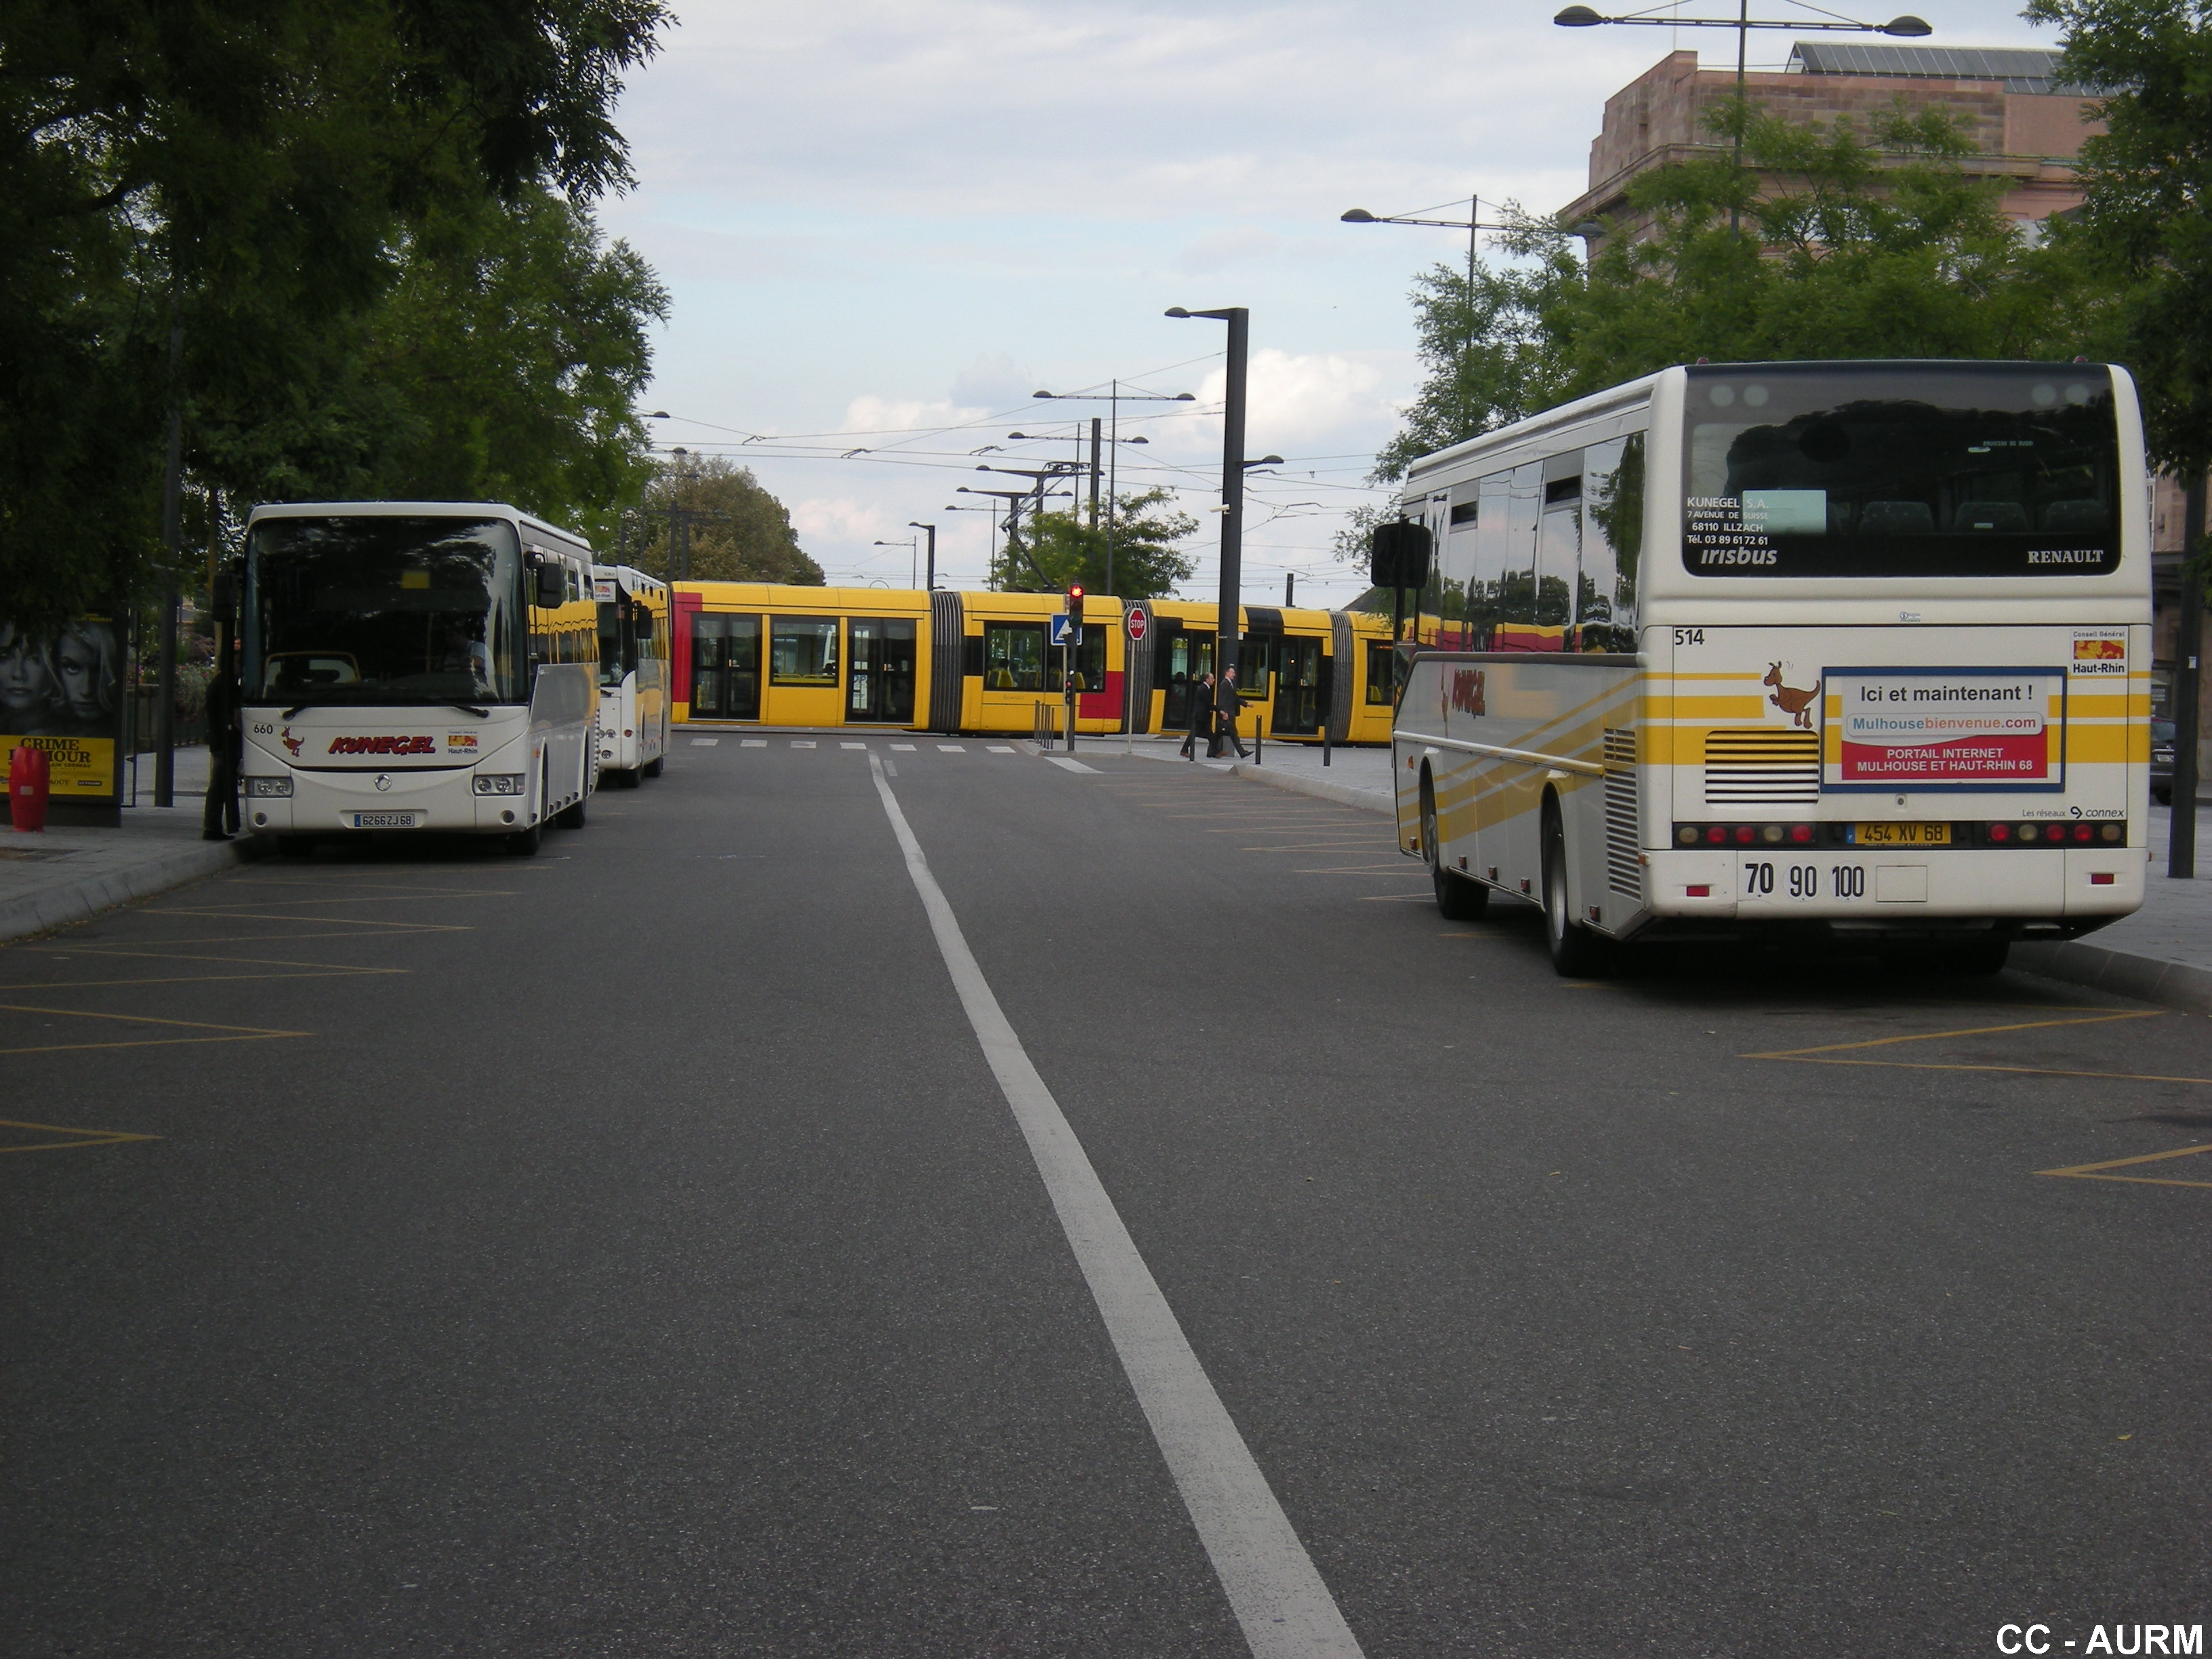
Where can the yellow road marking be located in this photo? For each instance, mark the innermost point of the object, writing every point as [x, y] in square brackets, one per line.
[81, 1137]
[1395, 869]
[184, 979]
[1976, 1030]
[1317, 846]
[233, 1033]
[2094, 1172]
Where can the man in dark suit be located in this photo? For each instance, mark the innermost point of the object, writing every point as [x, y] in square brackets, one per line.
[1225, 720]
[1201, 716]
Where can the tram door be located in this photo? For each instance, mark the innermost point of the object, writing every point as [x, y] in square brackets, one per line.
[1189, 658]
[879, 685]
[724, 666]
[1301, 686]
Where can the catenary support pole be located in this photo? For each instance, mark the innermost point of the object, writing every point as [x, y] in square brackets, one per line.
[2188, 686]
[1229, 623]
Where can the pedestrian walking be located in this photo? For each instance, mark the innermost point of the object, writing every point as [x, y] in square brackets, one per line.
[1225, 721]
[1201, 717]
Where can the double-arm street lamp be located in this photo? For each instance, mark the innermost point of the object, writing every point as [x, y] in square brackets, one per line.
[916, 524]
[909, 544]
[1471, 224]
[1114, 397]
[1906, 26]
[1227, 629]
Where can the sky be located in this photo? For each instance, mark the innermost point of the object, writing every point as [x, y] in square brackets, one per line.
[883, 226]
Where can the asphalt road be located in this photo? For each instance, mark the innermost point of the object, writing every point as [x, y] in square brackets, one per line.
[629, 1251]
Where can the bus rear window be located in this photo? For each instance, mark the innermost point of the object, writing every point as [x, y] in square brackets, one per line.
[1899, 470]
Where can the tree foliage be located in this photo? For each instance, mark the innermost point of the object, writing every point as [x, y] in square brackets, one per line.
[1051, 551]
[1821, 242]
[2149, 211]
[739, 531]
[261, 176]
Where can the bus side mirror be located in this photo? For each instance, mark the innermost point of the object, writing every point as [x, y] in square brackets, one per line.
[645, 624]
[552, 585]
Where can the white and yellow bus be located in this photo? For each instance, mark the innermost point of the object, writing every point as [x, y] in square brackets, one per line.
[1829, 651]
[415, 666]
[634, 679]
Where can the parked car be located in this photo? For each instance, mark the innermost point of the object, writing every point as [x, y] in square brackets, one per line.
[2161, 762]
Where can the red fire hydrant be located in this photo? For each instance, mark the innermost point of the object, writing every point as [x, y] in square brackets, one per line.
[27, 781]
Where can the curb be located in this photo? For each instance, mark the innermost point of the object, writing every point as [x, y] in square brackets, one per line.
[2147, 979]
[59, 907]
[1344, 794]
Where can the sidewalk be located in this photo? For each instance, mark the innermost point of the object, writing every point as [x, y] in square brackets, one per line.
[59, 875]
[2162, 953]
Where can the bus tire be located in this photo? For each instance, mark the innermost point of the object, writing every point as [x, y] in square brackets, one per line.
[571, 818]
[651, 769]
[524, 844]
[1458, 898]
[1576, 952]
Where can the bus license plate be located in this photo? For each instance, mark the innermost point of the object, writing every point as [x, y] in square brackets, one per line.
[1903, 835]
[384, 820]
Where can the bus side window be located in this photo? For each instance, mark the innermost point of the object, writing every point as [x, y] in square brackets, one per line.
[1612, 538]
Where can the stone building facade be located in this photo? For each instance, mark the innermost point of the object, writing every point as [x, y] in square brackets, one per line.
[2027, 128]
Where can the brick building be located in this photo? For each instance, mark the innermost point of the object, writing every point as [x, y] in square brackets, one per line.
[2027, 126]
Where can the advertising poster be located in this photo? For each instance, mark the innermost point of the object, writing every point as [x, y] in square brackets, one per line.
[1948, 729]
[63, 691]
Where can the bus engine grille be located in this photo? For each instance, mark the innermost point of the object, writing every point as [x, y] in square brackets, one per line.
[1624, 869]
[1762, 768]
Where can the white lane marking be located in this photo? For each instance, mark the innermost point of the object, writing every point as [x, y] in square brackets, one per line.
[890, 766]
[1067, 765]
[1273, 1588]
[904, 748]
[704, 743]
[851, 745]
[750, 743]
[802, 742]
[951, 748]
[999, 748]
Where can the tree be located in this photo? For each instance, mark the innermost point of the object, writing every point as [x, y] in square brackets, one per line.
[739, 531]
[2148, 206]
[1819, 243]
[251, 172]
[1052, 552]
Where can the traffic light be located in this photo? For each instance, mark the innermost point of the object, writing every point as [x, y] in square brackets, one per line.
[1075, 605]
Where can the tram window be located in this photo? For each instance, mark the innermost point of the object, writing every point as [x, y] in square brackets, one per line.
[1014, 658]
[803, 651]
[1381, 678]
[1252, 669]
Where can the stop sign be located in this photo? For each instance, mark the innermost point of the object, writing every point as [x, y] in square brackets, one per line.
[1137, 622]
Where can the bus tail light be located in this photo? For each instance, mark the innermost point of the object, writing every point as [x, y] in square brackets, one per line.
[1702, 889]
[2101, 878]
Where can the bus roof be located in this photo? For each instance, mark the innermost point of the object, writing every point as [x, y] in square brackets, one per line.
[419, 510]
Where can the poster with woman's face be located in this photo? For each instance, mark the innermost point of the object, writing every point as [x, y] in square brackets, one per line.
[62, 692]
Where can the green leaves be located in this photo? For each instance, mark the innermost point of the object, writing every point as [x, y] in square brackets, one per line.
[739, 531]
[1821, 242]
[2147, 218]
[1060, 548]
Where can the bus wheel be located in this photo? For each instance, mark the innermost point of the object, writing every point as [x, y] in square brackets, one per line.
[651, 769]
[1576, 953]
[1458, 899]
[571, 818]
[524, 844]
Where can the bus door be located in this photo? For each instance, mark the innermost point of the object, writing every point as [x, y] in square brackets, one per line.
[879, 685]
[724, 666]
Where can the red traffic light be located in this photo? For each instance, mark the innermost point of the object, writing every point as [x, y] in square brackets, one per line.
[1075, 604]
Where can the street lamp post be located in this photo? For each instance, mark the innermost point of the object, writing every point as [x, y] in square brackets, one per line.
[1227, 627]
[915, 524]
[909, 544]
[1113, 400]
[1905, 27]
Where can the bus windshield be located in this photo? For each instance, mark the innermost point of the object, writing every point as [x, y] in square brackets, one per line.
[1901, 469]
[617, 647]
[381, 609]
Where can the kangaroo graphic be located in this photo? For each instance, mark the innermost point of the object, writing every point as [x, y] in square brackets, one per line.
[1797, 705]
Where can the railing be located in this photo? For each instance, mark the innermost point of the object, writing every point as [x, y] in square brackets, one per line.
[1044, 728]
